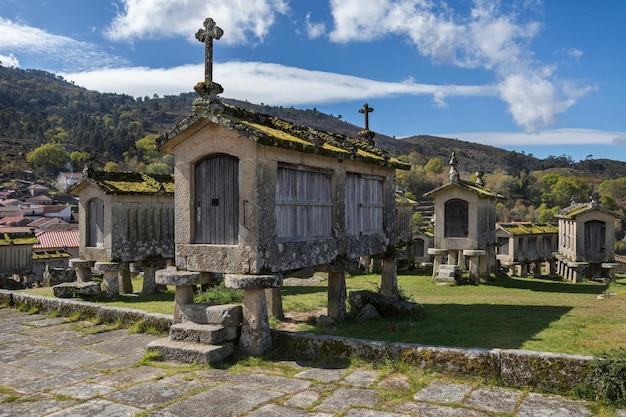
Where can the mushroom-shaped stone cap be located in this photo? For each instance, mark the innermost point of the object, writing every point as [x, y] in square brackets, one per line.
[109, 266]
[474, 252]
[250, 282]
[80, 263]
[611, 265]
[435, 251]
[178, 278]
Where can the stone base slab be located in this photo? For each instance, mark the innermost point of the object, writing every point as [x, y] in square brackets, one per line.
[76, 289]
[188, 352]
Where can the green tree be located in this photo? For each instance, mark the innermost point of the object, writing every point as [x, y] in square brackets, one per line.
[78, 159]
[50, 158]
[434, 166]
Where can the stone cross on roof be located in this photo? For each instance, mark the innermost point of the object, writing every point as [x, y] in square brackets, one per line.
[366, 110]
[206, 35]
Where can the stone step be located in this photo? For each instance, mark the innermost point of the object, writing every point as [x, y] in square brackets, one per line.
[209, 334]
[189, 352]
[226, 314]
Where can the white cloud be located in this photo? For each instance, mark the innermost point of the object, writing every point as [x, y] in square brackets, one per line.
[241, 20]
[314, 30]
[263, 82]
[485, 36]
[546, 137]
[52, 51]
[9, 61]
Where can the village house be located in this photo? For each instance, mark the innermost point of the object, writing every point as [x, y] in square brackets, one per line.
[523, 245]
[57, 245]
[65, 180]
[465, 219]
[257, 196]
[586, 241]
[125, 217]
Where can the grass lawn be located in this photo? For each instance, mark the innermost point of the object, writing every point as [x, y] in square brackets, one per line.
[517, 313]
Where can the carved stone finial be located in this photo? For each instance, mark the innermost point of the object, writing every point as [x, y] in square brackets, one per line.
[595, 199]
[208, 88]
[479, 178]
[453, 174]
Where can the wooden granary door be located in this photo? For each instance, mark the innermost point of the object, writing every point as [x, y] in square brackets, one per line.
[95, 223]
[216, 196]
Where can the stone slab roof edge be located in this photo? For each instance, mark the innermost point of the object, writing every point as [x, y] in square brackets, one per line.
[127, 183]
[466, 185]
[273, 131]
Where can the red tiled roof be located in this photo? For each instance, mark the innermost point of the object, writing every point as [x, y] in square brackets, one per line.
[51, 239]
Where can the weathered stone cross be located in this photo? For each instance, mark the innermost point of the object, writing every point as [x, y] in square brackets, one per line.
[366, 110]
[206, 36]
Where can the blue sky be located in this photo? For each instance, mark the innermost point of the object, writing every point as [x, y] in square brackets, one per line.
[542, 77]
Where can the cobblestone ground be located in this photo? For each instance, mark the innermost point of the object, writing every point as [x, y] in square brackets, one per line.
[54, 368]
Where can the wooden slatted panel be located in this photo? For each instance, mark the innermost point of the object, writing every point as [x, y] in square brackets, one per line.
[303, 203]
[216, 193]
[95, 233]
[595, 237]
[364, 204]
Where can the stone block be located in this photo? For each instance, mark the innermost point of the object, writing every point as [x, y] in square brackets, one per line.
[76, 289]
[449, 274]
[201, 313]
[385, 306]
[209, 334]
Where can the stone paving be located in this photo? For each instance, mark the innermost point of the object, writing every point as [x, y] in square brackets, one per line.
[59, 369]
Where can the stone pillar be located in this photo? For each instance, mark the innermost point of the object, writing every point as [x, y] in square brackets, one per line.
[126, 285]
[610, 269]
[453, 257]
[552, 266]
[376, 266]
[274, 300]
[474, 256]
[185, 282]
[256, 338]
[389, 279]
[537, 269]
[410, 254]
[337, 295]
[438, 255]
[150, 267]
[364, 264]
[82, 268]
[110, 281]
[523, 270]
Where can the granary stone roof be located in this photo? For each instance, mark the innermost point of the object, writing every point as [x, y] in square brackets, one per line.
[522, 229]
[17, 236]
[466, 185]
[126, 183]
[276, 132]
[576, 209]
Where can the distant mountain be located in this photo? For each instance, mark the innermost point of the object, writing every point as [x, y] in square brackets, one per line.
[37, 107]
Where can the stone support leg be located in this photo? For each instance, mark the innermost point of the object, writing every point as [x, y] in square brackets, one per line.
[537, 270]
[274, 301]
[149, 283]
[474, 270]
[126, 285]
[389, 279]
[255, 337]
[523, 270]
[183, 294]
[111, 282]
[364, 264]
[82, 268]
[337, 296]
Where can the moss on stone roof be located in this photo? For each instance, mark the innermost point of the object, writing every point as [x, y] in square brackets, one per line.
[47, 254]
[131, 183]
[272, 131]
[17, 238]
[467, 185]
[521, 229]
[576, 209]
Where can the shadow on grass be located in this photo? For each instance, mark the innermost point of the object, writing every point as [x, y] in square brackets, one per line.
[303, 289]
[460, 325]
[546, 285]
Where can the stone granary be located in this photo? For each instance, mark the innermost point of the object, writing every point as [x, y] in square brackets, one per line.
[465, 220]
[586, 241]
[257, 196]
[16, 252]
[525, 244]
[125, 217]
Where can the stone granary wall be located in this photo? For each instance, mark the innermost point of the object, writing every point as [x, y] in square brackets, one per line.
[125, 216]
[290, 196]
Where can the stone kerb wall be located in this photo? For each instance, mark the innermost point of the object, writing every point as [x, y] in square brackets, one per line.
[550, 372]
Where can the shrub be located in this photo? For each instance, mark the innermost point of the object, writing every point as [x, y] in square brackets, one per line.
[607, 380]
